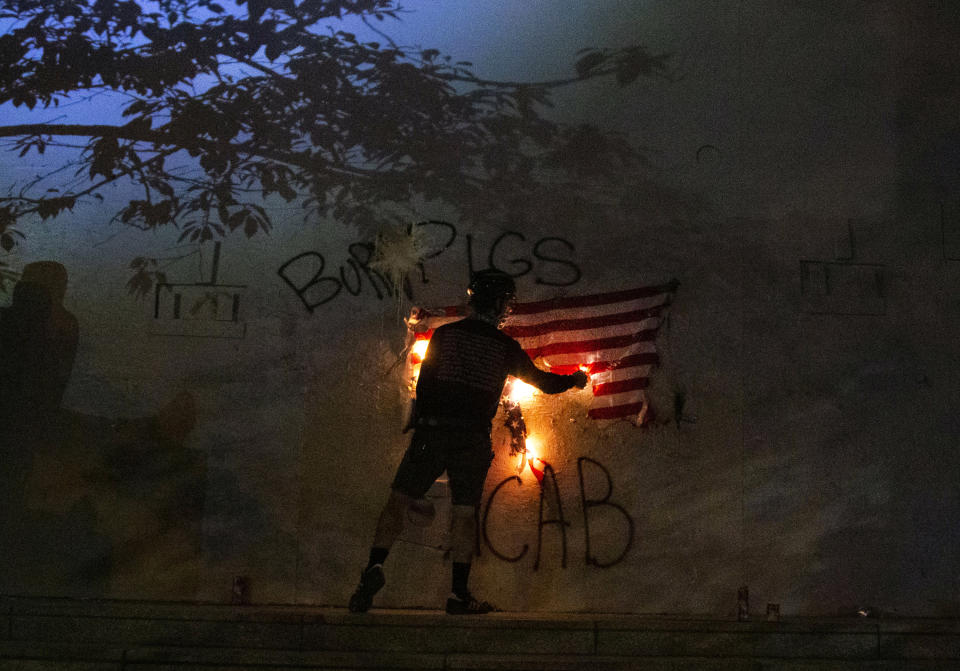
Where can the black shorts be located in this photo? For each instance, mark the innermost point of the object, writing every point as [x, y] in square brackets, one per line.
[465, 456]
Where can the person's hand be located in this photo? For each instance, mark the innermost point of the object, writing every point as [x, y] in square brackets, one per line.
[580, 379]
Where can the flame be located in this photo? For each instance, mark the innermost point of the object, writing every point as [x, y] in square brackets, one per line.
[419, 350]
[530, 457]
[520, 391]
[533, 448]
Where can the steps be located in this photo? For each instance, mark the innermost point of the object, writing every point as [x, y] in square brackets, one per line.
[86, 635]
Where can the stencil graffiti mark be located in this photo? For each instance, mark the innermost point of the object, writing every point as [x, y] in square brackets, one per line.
[624, 544]
[199, 309]
[839, 288]
[547, 259]
[842, 286]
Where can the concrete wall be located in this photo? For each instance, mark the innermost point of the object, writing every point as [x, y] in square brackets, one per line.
[805, 193]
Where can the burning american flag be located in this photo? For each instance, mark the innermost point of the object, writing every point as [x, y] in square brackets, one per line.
[611, 336]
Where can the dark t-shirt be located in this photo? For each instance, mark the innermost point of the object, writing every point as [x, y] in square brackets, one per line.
[464, 370]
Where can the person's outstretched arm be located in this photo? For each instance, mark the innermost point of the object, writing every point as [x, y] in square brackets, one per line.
[549, 383]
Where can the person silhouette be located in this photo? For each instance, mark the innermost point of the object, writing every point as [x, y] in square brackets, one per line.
[458, 393]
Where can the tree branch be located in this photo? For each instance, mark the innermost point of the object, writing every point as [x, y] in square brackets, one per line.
[160, 138]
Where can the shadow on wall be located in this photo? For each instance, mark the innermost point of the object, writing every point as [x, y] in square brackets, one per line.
[92, 506]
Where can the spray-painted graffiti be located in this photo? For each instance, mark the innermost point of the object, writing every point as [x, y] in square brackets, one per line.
[842, 286]
[547, 259]
[199, 309]
[560, 521]
[590, 504]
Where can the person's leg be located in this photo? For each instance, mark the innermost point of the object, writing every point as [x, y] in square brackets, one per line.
[467, 471]
[417, 471]
[462, 538]
[389, 526]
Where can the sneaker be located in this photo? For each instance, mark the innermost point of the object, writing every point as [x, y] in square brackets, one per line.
[467, 605]
[371, 580]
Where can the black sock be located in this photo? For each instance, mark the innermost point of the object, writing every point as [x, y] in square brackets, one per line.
[461, 574]
[378, 556]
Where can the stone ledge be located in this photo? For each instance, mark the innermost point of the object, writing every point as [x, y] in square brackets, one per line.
[693, 624]
[737, 644]
[920, 646]
[54, 650]
[474, 636]
[26, 657]
[437, 618]
[163, 610]
[179, 635]
[155, 631]
[280, 658]
[607, 663]
[920, 625]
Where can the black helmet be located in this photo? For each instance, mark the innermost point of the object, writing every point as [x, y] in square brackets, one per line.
[488, 286]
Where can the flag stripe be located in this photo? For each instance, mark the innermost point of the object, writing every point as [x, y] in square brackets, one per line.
[616, 411]
[617, 374]
[565, 302]
[621, 398]
[538, 342]
[620, 386]
[596, 345]
[647, 303]
[603, 359]
[559, 325]
[650, 358]
[599, 368]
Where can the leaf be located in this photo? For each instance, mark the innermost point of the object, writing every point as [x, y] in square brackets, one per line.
[51, 207]
[250, 226]
[236, 219]
[286, 192]
[589, 62]
[139, 284]
[274, 48]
